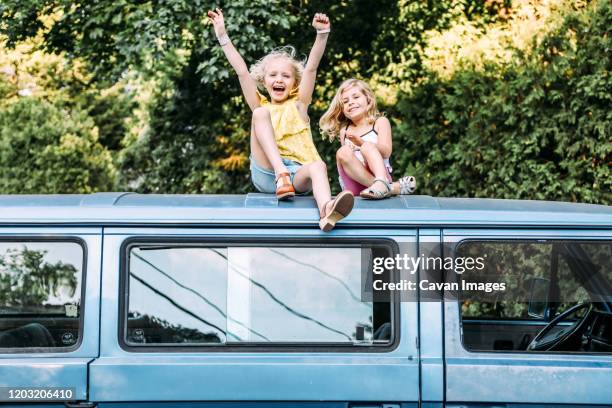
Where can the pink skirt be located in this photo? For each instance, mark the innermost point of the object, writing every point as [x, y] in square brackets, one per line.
[347, 183]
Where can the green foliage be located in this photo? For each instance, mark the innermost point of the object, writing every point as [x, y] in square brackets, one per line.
[197, 139]
[48, 149]
[65, 83]
[184, 137]
[255, 27]
[26, 279]
[537, 129]
[111, 35]
[110, 110]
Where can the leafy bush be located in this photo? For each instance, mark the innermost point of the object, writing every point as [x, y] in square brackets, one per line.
[47, 149]
[539, 128]
[533, 124]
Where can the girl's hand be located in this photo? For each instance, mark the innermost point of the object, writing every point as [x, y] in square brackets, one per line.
[350, 144]
[354, 139]
[216, 18]
[320, 22]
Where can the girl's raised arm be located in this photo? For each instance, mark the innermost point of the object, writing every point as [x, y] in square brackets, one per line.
[321, 23]
[247, 84]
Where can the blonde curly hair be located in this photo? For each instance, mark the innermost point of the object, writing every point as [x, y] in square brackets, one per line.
[258, 69]
[333, 119]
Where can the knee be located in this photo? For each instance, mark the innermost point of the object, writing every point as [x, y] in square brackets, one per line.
[318, 167]
[260, 113]
[344, 154]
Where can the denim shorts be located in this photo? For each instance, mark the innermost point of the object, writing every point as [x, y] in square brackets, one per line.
[264, 180]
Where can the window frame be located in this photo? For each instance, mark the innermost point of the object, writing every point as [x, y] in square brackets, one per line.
[67, 239]
[516, 321]
[253, 241]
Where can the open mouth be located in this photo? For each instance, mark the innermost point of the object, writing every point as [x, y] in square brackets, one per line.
[278, 88]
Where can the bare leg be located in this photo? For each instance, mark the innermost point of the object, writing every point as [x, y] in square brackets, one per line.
[372, 156]
[353, 167]
[263, 144]
[358, 172]
[314, 175]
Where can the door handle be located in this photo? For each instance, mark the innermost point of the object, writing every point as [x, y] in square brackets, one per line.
[373, 405]
[81, 404]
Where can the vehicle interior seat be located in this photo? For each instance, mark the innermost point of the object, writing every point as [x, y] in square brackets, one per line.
[30, 335]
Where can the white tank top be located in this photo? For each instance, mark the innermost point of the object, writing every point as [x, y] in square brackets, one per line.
[371, 137]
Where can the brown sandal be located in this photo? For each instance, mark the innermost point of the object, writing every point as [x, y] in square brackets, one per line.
[340, 208]
[284, 188]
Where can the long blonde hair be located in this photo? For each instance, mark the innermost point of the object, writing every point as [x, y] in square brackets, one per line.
[258, 69]
[333, 119]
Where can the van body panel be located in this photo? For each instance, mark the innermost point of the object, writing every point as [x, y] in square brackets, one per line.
[46, 372]
[431, 329]
[519, 405]
[272, 378]
[456, 234]
[518, 378]
[432, 378]
[255, 404]
[273, 375]
[562, 381]
[432, 405]
[261, 210]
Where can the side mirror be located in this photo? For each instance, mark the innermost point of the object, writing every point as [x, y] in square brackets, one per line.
[538, 297]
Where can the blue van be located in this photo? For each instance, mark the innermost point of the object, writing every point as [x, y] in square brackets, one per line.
[128, 300]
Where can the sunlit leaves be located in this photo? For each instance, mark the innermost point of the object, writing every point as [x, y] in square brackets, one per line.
[539, 128]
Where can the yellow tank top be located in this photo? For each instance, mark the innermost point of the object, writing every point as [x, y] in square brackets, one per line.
[293, 135]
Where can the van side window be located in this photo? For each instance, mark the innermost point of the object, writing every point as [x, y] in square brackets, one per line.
[186, 295]
[40, 295]
[557, 297]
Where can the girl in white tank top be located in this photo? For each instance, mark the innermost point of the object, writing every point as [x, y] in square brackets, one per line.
[365, 137]
[372, 137]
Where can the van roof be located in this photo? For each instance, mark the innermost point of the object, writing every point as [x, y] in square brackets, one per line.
[258, 209]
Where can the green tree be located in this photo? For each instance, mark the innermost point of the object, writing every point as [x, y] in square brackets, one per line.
[62, 85]
[50, 149]
[199, 130]
[109, 35]
[538, 128]
[197, 139]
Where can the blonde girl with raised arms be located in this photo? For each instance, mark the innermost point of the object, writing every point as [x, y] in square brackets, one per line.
[365, 139]
[284, 159]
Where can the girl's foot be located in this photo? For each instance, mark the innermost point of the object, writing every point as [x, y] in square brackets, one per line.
[335, 210]
[407, 185]
[284, 187]
[378, 190]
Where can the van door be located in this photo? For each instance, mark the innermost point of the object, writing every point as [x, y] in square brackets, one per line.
[243, 315]
[543, 338]
[49, 297]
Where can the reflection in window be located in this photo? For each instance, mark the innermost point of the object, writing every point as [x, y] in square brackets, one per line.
[40, 290]
[241, 295]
